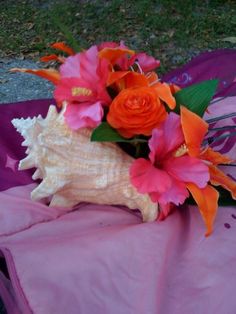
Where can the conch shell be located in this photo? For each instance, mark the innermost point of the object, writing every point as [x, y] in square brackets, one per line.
[75, 170]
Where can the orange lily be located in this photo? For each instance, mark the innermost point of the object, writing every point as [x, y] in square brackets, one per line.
[63, 47]
[194, 129]
[52, 57]
[49, 74]
[59, 46]
[113, 54]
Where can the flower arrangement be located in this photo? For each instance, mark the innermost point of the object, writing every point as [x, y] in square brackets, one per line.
[114, 91]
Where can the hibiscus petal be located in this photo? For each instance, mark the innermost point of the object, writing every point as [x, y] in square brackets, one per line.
[188, 169]
[176, 194]
[207, 201]
[83, 115]
[73, 89]
[194, 129]
[71, 68]
[146, 178]
[167, 137]
[165, 210]
[88, 65]
[146, 62]
[218, 177]
[157, 144]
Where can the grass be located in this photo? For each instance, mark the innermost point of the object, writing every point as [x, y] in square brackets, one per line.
[173, 31]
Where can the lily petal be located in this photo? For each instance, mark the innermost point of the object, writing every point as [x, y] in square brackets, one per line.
[52, 57]
[116, 76]
[48, 74]
[194, 129]
[215, 158]
[63, 47]
[127, 79]
[218, 177]
[113, 54]
[164, 93]
[207, 201]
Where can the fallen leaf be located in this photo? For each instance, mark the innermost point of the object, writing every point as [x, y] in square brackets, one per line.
[229, 39]
[30, 26]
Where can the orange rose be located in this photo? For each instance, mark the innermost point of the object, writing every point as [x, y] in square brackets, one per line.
[136, 111]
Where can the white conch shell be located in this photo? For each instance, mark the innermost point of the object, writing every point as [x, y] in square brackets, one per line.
[75, 170]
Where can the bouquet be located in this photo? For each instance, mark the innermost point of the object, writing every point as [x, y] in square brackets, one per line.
[131, 138]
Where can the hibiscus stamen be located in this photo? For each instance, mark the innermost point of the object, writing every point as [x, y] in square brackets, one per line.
[139, 67]
[81, 91]
[182, 150]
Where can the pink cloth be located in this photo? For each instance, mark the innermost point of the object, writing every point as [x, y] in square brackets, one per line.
[103, 259]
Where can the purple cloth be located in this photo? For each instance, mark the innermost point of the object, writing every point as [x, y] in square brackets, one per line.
[219, 64]
[102, 259]
[10, 140]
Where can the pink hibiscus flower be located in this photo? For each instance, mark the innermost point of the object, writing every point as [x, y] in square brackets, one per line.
[169, 168]
[83, 86]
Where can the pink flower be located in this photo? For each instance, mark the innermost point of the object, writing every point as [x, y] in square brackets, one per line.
[83, 86]
[146, 63]
[169, 168]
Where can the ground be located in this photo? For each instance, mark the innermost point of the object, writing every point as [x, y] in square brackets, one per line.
[173, 31]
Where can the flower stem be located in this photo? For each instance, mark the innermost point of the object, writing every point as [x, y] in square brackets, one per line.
[230, 115]
[229, 127]
[211, 140]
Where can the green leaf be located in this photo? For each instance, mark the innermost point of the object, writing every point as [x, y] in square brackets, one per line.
[196, 97]
[105, 133]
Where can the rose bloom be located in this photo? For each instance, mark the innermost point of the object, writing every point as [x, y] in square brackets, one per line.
[136, 111]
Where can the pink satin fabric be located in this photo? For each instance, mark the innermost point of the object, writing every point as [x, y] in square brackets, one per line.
[103, 259]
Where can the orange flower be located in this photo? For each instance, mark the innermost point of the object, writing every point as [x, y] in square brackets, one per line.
[48, 74]
[136, 111]
[194, 129]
